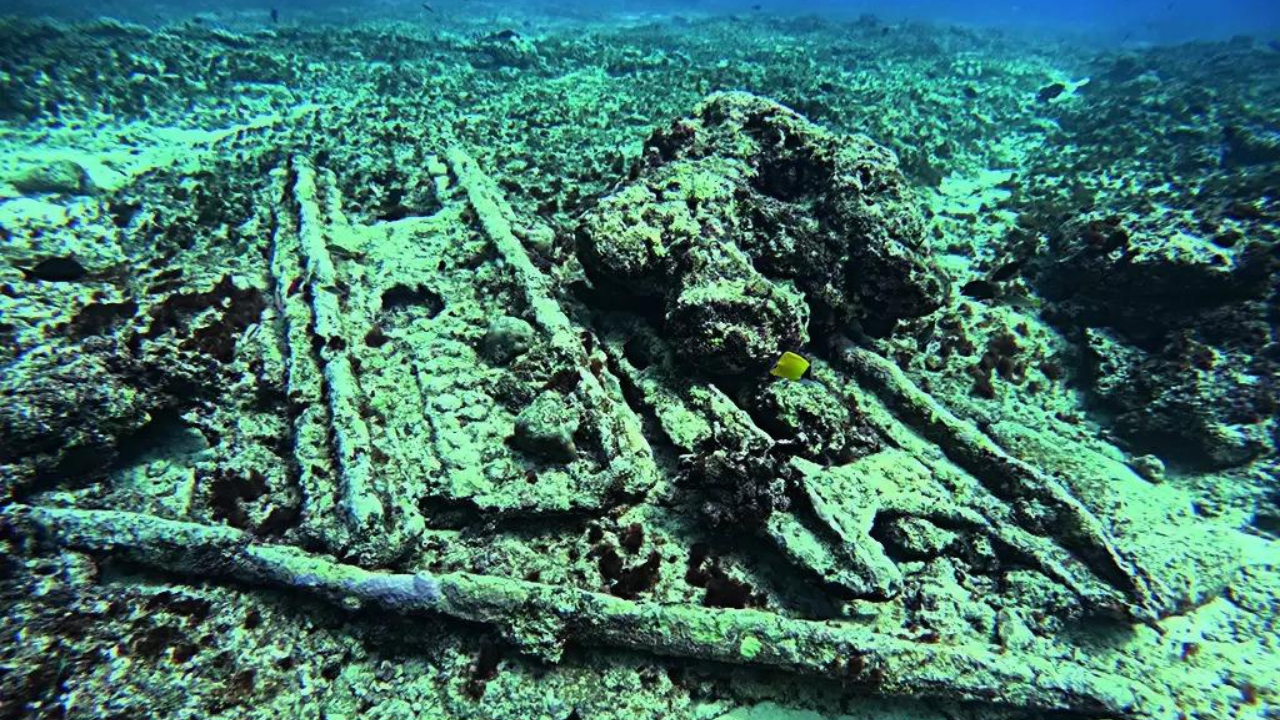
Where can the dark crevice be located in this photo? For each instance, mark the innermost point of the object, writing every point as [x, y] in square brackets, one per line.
[401, 296]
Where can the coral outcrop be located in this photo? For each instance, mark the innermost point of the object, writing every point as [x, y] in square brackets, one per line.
[746, 224]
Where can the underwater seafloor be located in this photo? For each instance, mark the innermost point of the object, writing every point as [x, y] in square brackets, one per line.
[379, 370]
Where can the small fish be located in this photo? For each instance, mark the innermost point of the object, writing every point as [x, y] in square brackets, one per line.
[428, 8]
[790, 366]
[56, 269]
[1050, 92]
[980, 290]
[1022, 301]
[275, 15]
[1008, 270]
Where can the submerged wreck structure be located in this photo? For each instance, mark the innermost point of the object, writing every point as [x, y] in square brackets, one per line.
[459, 421]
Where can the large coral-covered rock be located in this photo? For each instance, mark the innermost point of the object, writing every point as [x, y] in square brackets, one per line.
[1189, 402]
[832, 212]
[1146, 273]
[746, 222]
[1175, 329]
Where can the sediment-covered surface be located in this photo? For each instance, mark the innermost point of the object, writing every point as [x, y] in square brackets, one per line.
[397, 370]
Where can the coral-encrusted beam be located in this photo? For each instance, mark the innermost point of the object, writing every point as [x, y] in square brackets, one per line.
[541, 618]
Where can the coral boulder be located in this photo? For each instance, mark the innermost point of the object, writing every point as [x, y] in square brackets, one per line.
[746, 223]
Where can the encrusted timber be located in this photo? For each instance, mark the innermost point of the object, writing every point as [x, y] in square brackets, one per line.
[851, 563]
[971, 504]
[304, 377]
[731, 428]
[855, 567]
[631, 453]
[1035, 551]
[1009, 478]
[541, 618]
[338, 477]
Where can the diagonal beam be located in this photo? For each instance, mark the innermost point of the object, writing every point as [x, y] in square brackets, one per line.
[541, 618]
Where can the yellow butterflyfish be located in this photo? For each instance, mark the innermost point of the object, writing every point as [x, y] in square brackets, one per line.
[790, 366]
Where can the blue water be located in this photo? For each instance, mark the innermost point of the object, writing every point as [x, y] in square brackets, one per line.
[1130, 22]
[1150, 20]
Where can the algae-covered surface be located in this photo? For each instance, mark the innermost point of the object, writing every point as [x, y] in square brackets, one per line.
[368, 367]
